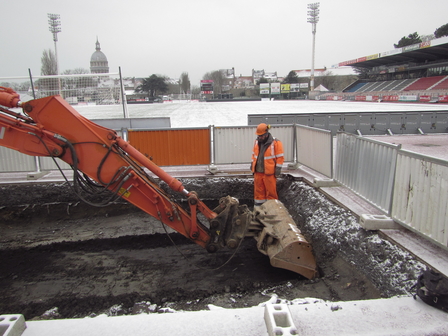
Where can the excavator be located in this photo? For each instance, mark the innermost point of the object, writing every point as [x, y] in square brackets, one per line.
[103, 163]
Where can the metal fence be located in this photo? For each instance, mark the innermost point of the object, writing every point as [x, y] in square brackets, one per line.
[219, 145]
[76, 89]
[311, 141]
[420, 198]
[367, 167]
[411, 188]
[235, 144]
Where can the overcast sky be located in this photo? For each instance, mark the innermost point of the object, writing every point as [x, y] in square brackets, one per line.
[146, 37]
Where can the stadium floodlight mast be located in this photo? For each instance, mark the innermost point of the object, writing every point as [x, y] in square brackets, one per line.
[313, 18]
[55, 28]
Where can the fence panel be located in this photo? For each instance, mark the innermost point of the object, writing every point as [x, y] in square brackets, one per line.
[235, 144]
[315, 149]
[420, 198]
[173, 147]
[14, 161]
[47, 163]
[367, 167]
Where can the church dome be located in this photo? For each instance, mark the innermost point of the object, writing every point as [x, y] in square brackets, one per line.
[98, 56]
[98, 61]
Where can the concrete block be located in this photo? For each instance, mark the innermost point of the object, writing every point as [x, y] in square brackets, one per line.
[36, 175]
[12, 325]
[278, 320]
[212, 169]
[324, 183]
[377, 222]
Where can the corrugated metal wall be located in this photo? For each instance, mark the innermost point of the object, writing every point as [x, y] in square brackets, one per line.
[367, 167]
[420, 198]
[173, 147]
[13, 161]
[235, 144]
[311, 141]
[47, 163]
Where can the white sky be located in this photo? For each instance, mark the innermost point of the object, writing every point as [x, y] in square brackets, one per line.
[199, 36]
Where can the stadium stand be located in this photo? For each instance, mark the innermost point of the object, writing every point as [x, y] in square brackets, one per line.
[424, 83]
[356, 87]
[413, 73]
[441, 85]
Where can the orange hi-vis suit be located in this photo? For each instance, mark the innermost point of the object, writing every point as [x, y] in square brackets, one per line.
[266, 168]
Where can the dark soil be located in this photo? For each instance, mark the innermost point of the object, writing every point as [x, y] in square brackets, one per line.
[58, 252]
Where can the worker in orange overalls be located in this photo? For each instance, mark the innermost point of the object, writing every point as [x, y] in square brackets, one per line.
[267, 162]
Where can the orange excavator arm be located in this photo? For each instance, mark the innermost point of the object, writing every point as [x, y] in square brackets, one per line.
[51, 127]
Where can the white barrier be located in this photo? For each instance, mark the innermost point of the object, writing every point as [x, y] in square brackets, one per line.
[420, 199]
[367, 167]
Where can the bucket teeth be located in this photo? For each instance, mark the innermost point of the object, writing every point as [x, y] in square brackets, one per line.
[279, 238]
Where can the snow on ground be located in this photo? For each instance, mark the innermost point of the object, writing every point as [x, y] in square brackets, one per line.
[200, 114]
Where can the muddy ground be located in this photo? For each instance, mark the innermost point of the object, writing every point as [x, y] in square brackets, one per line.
[57, 252]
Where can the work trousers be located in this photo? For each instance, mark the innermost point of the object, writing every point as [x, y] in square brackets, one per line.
[265, 188]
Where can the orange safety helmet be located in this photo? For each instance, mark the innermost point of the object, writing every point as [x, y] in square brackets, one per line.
[262, 129]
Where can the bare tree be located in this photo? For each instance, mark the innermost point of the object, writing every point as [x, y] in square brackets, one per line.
[218, 80]
[185, 82]
[49, 64]
[48, 86]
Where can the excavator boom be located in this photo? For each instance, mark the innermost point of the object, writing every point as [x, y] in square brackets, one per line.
[102, 159]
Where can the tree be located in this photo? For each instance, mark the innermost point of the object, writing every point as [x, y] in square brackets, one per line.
[362, 72]
[262, 80]
[326, 79]
[218, 80]
[49, 65]
[409, 40]
[48, 86]
[76, 71]
[441, 31]
[185, 82]
[291, 78]
[153, 85]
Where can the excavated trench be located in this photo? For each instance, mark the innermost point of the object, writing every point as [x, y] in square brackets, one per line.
[61, 258]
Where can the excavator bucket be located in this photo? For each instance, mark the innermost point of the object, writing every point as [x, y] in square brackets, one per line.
[279, 238]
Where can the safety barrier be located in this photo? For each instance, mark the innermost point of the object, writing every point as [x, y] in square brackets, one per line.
[311, 141]
[410, 188]
[203, 146]
[420, 197]
[365, 123]
[367, 167]
[235, 144]
[173, 147]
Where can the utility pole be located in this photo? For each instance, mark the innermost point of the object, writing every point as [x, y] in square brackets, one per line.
[55, 28]
[313, 18]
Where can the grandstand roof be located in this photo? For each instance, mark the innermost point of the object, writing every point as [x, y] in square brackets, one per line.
[430, 51]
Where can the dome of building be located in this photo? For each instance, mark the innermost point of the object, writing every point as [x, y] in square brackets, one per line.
[98, 61]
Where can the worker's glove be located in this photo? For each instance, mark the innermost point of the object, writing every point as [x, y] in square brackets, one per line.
[278, 171]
